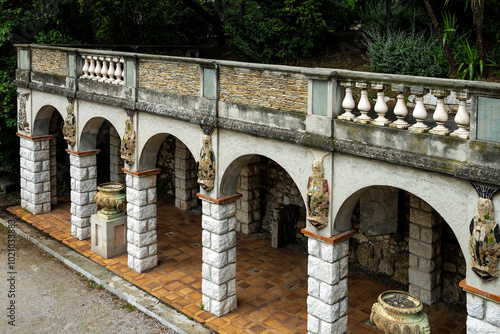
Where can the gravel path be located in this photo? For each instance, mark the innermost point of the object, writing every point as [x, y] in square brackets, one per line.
[52, 298]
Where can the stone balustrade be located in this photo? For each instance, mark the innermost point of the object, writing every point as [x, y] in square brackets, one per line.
[103, 69]
[401, 113]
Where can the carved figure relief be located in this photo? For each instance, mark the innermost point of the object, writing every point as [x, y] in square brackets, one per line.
[318, 197]
[69, 127]
[206, 165]
[128, 141]
[484, 243]
[22, 123]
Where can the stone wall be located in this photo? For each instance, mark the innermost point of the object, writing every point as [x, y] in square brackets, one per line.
[483, 315]
[170, 77]
[278, 189]
[248, 207]
[454, 268]
[385, 254]
[264, 89]
[49, 61]
[166, 162]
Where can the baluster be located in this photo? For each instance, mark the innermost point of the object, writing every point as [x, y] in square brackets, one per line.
[118, 72]
[85, 68]
[124, 71]
[400, 110]
[364, 105]
[462, 118]
[98, 68]
[92, 68]
[380, 107]
[440, 114]
[111, 71]
[348, 103]
[104, 70]
[419, 112]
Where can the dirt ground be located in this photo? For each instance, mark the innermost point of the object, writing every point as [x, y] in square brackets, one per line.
[51, 298]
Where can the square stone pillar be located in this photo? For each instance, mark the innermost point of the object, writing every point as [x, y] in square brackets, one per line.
[35, 174]
[115, 161]
[248, 208]
[83, 173]
[425, 252]
[141, 220]
[53, 170]
[219, 254]
[327, 283]
[483, 311]
[186, 185]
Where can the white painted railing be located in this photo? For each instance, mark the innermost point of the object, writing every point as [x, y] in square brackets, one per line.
[104, 69]
[419, 112]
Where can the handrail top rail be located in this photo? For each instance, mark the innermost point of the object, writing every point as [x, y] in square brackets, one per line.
[487, 88]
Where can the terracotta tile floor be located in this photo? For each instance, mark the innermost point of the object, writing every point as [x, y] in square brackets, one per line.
[272, 283]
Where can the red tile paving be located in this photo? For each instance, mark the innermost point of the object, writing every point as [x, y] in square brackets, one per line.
[272, 283]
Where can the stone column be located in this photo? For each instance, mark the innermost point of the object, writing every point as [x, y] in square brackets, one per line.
[115, 161]
[53, 170]
[186, 185]
[35, 174]
[483, 315]
[248, 208]
[83, 173]
[327, 283]
[425, 251]
[141, 220]
[219, 255]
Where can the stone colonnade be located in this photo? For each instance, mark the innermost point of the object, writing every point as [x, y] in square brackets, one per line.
[327, 284]
[219, 254]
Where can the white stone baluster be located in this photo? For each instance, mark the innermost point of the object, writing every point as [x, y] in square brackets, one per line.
[92, 68]
[364, 105]
[118, 72]
[85, 68]
[98, 68]
[462, 118]
[348, 103]
[111, 71]
[104, 70]
[419, 112]
[400, 110]
[380, 107]
[440, 115]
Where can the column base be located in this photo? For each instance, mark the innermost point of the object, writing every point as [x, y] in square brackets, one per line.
[141, 265]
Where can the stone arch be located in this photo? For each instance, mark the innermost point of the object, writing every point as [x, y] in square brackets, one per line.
[149, 152]
[45, 121]
[88, 135]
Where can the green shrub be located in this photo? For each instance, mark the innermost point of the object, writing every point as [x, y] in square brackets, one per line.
[407, 53]
[54, 37]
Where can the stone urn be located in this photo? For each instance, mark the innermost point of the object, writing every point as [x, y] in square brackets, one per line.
[111, 198]
[398, 312]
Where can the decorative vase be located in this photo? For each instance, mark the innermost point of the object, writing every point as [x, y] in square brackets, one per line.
[111, 198]
[398, 312]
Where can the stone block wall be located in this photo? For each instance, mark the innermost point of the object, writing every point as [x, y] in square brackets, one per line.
[53, 170]
[219, 257]
[483, 315]
[264, 89]
[327, 286]
[115, 161]
[425, 251]
[170, 77]
[141, 222]
[453, 268]
[277, 190]
[248, 207]
[35, 163]
[83, 172]
[49, 61]
[186, 185]
[166, 162]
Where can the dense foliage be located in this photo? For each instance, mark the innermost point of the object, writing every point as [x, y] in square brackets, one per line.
[407, 53]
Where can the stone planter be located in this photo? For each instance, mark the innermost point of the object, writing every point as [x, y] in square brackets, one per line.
[109, 225]
[111, 198]
[399, 312]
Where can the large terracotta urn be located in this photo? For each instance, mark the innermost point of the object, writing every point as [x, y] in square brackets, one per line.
[399, 312]
[111, 198]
